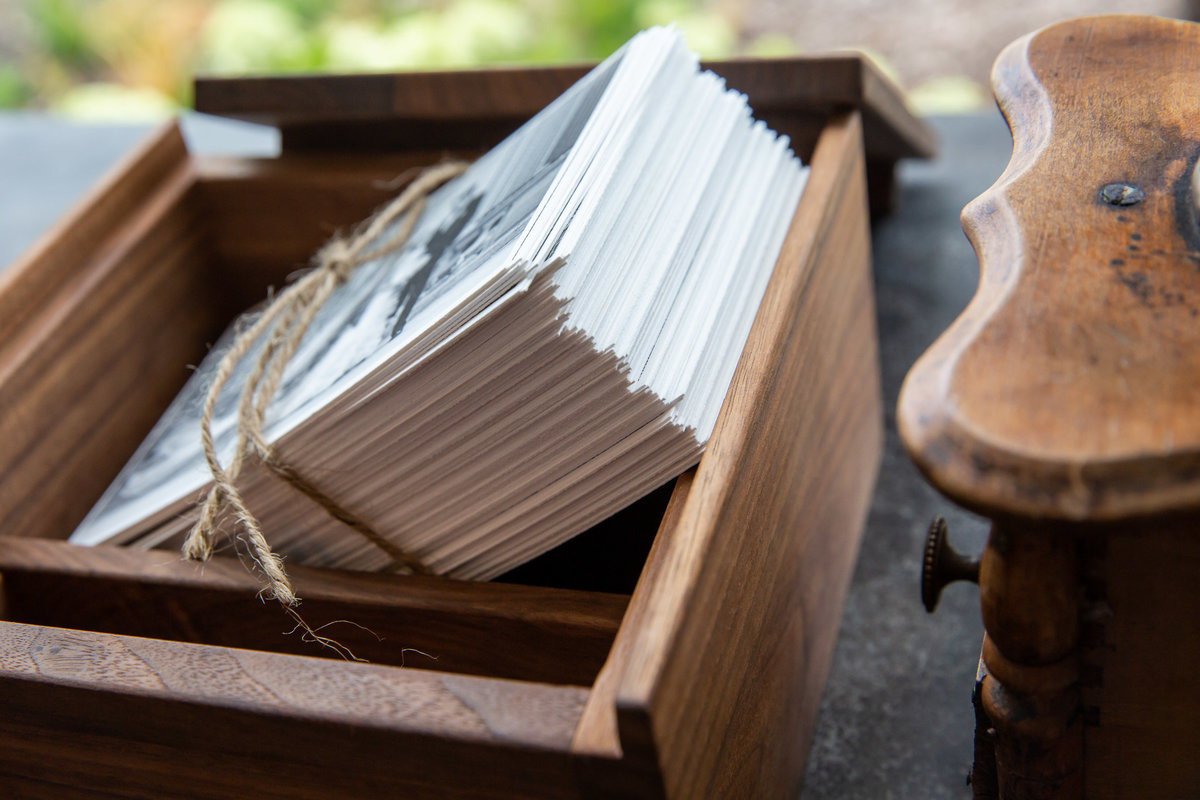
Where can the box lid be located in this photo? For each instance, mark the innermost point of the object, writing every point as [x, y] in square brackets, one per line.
[474, 109]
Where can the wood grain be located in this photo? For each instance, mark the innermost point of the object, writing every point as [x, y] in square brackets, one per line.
[1067, 388]
[1030, 592]
[1062, 403]
[29, 283]
[267, 216]
[473, 110]
[78, 310]
[153, 719]
[522, 632]
[720, 684]
[1141, 647]
[715, 677]
[597, 732]
[472, 101]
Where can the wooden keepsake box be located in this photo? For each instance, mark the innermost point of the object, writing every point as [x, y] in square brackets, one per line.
[133, 674]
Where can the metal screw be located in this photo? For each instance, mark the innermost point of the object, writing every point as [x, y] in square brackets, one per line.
[1121, 194]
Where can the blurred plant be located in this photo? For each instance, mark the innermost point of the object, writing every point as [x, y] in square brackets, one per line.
[14, 91]
[707, 31]
[63, 32]
[458, 34]
[951, 94]
[139, 55]
[114, 49]
[100, 102]
[256, 36]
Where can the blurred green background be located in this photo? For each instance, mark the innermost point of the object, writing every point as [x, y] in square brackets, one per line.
[134, 59]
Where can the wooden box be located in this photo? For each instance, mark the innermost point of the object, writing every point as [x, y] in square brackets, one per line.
[132, 674]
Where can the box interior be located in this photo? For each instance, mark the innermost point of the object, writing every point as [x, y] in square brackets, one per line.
[199, 248]
[94, 325]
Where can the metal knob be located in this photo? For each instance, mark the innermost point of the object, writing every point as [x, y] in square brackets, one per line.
[943, 565]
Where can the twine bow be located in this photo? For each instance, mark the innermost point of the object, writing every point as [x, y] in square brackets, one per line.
[284, 323]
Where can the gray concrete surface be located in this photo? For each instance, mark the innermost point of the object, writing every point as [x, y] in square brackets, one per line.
[896, 719]
[46, 164]
[927, 39]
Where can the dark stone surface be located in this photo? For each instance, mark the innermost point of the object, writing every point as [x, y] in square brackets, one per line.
[896, 718]
[47, 163]
[44, 166]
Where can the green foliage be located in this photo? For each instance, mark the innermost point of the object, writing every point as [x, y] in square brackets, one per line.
[62, 31]
[310, 11]
[602, 25]
[950, 94]
[111, 102]
[255, 36]
[14, 91]
[771, 45]
[707, 31]
[277, 35]
[148, 44]
[460, 34]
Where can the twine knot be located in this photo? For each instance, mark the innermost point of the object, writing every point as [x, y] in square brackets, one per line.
[336, 257]
[284, 323]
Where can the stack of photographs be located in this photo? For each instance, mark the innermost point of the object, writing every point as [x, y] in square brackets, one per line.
[554, 340]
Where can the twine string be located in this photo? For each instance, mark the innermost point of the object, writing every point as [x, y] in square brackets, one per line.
[285, 322]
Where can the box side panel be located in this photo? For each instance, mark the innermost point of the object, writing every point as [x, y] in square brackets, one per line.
[723, 680]
[115, 304]
[268, 216]
[476, 108]
[128, 717]
[32, 281]
[521, 632]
